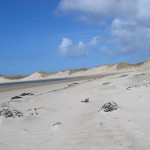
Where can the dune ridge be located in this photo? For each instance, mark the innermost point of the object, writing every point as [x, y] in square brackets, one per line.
[104, 69]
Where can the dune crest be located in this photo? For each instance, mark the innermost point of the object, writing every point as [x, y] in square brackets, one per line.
[104, 69]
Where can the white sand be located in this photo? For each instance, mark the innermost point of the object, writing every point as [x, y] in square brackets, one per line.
[4, 80]
[34, 76]
[81, 126]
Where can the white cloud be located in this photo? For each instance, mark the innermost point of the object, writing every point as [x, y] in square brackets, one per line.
[143, 15]
[103, 10]
[128, 22]
[64, 46]
[65, 43]
[69, 50]
[130, 37]
[95, 41]
[98, 10]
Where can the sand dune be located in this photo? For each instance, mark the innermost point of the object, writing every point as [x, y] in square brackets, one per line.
[34, 76]
[4, 78]
[104, 69]
[120, 67]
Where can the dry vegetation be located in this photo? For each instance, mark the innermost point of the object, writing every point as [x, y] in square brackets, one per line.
[45, 74]
[120, 66]
[77, 70]
[13, 77]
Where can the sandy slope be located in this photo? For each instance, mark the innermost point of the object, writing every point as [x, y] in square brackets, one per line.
[104, 69]
[81, 126]
[4, 80]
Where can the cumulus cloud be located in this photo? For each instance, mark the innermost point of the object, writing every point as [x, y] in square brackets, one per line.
[128, 22]
[69, 50]
[98, 10]
[130, 37]
[64, 47]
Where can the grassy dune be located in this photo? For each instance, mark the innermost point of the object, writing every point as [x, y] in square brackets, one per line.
[45, 74]
[122, 65]
[77, 70]
[13, 77]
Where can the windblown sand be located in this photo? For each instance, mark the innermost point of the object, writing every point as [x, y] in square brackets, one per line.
[54, 118]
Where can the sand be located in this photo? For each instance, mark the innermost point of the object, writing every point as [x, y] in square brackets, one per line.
[55, 118]
[101, 70]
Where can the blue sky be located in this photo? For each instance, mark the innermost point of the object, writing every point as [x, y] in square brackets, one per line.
[53, 35]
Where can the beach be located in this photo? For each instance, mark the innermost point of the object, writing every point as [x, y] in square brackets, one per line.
[57, 116]
[75, 75]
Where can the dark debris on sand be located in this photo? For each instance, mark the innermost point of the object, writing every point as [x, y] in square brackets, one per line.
[110, 106]
[16, 97]
[106, 83]
[124, 75]
[8, 113]
[26, 94]
[58, 123]
[21, 95]
[86, 100]
[72, 84]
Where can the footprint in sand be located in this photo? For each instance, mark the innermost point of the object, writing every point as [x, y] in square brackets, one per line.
[35, 111]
